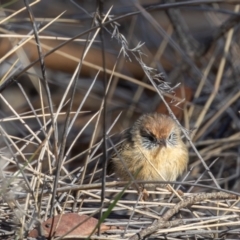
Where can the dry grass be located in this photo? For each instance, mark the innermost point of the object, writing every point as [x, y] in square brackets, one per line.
[64, 100]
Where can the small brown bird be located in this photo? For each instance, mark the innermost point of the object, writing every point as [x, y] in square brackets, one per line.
[153, 148]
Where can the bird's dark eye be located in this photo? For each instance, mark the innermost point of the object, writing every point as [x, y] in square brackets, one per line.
[172, 138]
[148, 140]
[151, 138]
[148, 135]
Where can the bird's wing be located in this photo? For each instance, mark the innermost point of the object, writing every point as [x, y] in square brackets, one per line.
[115, 155]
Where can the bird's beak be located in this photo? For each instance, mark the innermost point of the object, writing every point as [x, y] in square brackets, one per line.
[162, 142]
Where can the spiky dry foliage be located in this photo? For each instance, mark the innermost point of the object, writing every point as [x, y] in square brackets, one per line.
[72, 81]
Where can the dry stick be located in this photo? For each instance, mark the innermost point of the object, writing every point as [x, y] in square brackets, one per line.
[154, 59]
[90, 181]
[177, 188]
[172, 43]
[124, 165]
[132, 25]
[132, 213]
[73, 142]
[43, 127]
[231, 22]
[33, 182]
[121, 61]
[10, 70]
[7, 140]
[44, 37]
[201, 175]
[179, 230]
[86, 161]
[74, 118]
[68, 173]
[190, 45]
[231, 206]
[185, 203]
[202, 82]
[215, 148]
[204, 77]
[43, 94]
[104, 122]
[24, 60]
[219, 112]
[186, 118]
[96, 146]
[232, 138]
[216, 142]
[19, 152]
[24, 124]
[218, 78]
[123, 183]
[23, 42]
[20, 119]
[37, 116]
[218, 150]
[17, 12]
[129, 208]
[231, 112]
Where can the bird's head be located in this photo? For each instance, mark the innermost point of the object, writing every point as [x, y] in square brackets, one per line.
[154, 131]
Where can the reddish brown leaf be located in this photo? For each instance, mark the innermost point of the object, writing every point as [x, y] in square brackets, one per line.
[61, 224]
